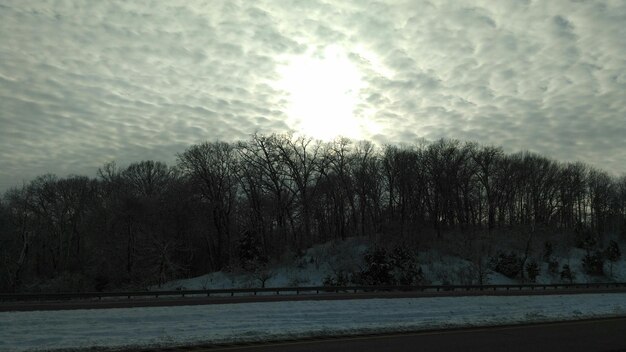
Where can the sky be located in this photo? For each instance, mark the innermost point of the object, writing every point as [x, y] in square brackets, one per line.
[87, 82]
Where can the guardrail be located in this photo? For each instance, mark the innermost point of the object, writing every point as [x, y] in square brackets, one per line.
[6, 297]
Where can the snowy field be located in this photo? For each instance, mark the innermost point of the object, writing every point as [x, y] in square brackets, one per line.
[170, 326]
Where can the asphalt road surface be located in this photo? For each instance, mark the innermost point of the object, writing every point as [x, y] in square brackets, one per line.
[589, 335]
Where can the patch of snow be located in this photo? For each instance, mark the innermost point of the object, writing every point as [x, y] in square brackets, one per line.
[172, 326]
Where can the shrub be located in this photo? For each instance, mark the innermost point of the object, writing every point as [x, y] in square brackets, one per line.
[508, 265]
[399, 267]
[338, 279]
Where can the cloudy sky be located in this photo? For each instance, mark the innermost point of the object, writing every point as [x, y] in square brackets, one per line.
[86, 82]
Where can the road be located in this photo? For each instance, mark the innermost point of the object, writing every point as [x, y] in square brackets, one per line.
[589, 335]
[202, 300]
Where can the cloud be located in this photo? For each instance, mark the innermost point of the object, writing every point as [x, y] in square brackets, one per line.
[82, 83]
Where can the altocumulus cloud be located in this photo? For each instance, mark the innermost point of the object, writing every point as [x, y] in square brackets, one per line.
[85, 82]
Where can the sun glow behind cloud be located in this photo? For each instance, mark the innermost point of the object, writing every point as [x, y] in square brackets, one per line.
[323, 94]
[136, 80]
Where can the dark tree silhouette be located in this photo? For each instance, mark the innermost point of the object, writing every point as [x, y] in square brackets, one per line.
[147, 223]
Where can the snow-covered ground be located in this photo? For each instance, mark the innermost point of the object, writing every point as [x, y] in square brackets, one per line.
[308, 270]
[170, 326]
[329, 258]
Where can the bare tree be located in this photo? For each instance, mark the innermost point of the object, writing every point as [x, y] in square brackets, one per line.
[147, 178]
[366, 174]
[488, 159]
[304, 163]
[213, 168]
[18, 232]
[339, 187]
[261, 157]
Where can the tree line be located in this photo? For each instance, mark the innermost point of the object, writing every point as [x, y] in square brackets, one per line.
[148, 222]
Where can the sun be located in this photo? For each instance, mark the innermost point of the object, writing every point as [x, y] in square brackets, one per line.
[323, 92]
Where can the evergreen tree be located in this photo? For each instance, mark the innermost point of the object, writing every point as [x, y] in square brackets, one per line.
[507, 264]
[613, 254]
[548, 250]
[251, 256]
[593, 263]
[567, 274]
[378, 270]
[406, 270]
[532, 270]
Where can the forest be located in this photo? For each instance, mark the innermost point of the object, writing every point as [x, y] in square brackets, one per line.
[148, 222]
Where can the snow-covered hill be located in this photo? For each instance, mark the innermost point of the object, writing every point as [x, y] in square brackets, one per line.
[326, 260]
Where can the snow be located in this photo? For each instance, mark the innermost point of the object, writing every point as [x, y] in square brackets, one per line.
[171, 326]
[574, 257]
[442, 269]
[439, 268]
[310, 269]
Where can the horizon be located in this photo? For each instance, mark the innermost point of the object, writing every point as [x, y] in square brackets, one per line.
[379, 148]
